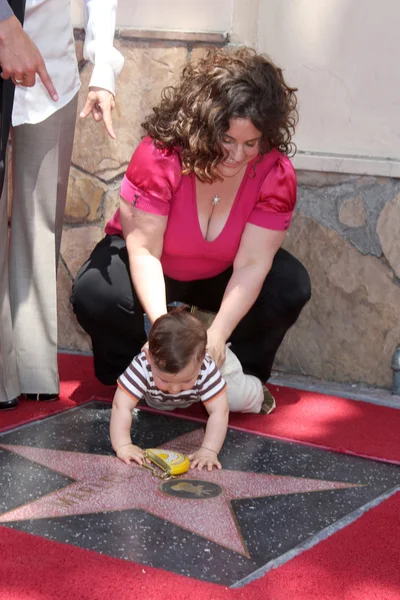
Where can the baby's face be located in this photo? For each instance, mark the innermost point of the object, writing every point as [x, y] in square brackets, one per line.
[174, 383]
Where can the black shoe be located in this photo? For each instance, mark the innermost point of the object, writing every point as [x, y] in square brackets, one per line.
[9, 404]
[41, 397]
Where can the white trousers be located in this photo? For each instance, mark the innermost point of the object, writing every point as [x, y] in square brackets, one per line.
[28, 263]
[245, 392]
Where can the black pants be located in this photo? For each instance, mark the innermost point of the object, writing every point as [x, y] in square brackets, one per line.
[108, 309]
[7, 98]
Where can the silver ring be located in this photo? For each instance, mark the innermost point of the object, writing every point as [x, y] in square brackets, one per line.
[18, 80]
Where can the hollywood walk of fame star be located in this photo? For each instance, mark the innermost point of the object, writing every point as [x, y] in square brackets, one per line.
[104, 484]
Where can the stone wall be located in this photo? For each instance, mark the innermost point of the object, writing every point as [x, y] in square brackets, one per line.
[346, 231]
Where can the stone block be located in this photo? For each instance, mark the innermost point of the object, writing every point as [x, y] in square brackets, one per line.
[388, 229]
[148, 69]
[349, 329]
[199, 52]
[173, 36]
[111, 203]
[318, 179]
[76, 245]
[70, 335]
[84, 200]
[352, 212]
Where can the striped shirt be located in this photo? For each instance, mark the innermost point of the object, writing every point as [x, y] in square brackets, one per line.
[138, 382]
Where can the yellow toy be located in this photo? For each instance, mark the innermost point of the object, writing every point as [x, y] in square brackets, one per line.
[171, 463]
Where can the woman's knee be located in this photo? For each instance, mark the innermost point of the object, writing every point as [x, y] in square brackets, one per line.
[87, 298]
[301, 284]
[102, 286]
[290, 282]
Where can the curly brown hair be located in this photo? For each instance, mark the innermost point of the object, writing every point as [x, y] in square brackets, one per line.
[227, 83]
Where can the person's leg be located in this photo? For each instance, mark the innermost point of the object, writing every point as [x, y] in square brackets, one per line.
[245, 392]
[259, 334]
[9, 385]
[41, 162]
[108, 309]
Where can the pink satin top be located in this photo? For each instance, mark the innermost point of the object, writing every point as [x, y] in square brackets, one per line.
[154, 183]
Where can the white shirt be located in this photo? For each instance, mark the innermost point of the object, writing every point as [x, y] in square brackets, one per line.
[48, 24]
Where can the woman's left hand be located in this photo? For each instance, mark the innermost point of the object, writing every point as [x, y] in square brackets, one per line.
[216, 346]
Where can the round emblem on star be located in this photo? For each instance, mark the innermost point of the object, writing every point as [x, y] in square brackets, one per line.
[191, 489]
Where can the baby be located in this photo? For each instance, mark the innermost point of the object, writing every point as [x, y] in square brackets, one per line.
[175, 371]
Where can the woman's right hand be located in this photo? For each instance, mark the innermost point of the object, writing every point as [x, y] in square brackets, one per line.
[130, 453]
[216, 346]
[144, 237]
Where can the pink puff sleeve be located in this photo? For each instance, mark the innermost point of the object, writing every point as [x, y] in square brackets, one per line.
[277, 198]
[152, 177]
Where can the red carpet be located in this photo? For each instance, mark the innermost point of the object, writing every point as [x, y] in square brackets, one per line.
[360, 562]
[327, 422]
[77, 385]
[315, 419]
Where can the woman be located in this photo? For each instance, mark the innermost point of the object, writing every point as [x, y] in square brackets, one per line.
[205, 205]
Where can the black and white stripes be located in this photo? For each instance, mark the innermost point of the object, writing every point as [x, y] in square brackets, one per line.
[138, 382]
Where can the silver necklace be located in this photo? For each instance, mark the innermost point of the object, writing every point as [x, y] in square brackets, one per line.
[215, 200]
[214, 203]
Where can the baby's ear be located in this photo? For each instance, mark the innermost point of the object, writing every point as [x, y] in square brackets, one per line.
[147, 353]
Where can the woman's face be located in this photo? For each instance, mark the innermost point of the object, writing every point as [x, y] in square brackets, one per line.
[241, 143]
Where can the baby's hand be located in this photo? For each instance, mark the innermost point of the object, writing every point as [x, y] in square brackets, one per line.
[130, 453]
[204, 458]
